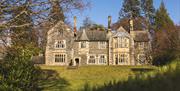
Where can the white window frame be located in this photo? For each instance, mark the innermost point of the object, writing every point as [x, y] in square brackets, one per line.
[102, 45]
[121, 42]
[58, 46]
[104, 61]
[62, 58]
[89, 59]
[122, 58]
[86, 44]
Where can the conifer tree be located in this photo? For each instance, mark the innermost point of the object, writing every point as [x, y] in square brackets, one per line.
[165, 41]
[148, 11]
[162, 19]
[130, 8]
[56, 14]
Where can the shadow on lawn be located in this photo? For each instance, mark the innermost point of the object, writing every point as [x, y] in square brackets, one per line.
[51, 81]
[167, 81]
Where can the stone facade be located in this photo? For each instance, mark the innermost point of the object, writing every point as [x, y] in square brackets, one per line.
[94, 47]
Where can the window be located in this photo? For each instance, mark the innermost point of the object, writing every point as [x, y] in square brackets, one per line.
[102, 45]
[141, 58]
[121, 42]
[102, 59]
[116, 42]
[92, 59]
[60, 44]
[61, 32]
[60, 58]
[83, 44]
[141, 44]
[121, 58]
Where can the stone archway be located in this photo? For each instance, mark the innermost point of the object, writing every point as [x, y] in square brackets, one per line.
[77, 61]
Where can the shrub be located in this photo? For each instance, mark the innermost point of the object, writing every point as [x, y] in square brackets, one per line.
[18, 73]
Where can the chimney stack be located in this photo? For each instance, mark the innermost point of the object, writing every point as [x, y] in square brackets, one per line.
[131, 24]
[109, 22]
[75, 26]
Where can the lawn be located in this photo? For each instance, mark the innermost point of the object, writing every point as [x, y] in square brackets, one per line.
[64, 79]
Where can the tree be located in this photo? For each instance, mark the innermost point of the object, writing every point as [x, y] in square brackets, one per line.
[21, 35]
[87, 22]
[139, 24]
[165, 41]
[97, 27]
[162, 19]
[149, 11]
[56, 14]
[130, 8]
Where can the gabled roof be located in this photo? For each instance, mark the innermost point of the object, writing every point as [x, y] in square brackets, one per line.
[91, 35]
[83, 35]
[121, 32]
[59, 25]
[140, 36]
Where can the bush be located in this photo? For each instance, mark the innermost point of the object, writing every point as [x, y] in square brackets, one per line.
[17, 72]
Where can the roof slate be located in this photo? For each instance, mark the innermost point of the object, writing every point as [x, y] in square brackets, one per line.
[92, 35]
[141, 37]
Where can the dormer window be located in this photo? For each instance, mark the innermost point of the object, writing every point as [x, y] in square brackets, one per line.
[60, 44]
[83, 44]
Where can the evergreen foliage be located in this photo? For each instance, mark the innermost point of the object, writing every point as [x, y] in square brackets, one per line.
[165, 42]
[17, 72]
[130, 8]
[148, 11]
[162, 19]
[56, 13]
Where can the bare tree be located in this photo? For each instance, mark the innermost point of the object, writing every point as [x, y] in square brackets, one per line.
[40, 13]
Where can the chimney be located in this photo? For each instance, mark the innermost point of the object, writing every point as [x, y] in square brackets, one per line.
[75, 26]
[109, 22]
[131, 24]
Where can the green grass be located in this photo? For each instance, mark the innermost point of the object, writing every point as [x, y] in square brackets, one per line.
[63, 79]
[166, 78]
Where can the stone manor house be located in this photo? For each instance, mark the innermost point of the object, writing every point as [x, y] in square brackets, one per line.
[66, 46]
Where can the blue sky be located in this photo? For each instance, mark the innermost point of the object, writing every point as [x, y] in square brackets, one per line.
[100, 9]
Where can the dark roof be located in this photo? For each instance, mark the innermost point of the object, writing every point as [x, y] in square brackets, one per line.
[91, 35]
[141, 37]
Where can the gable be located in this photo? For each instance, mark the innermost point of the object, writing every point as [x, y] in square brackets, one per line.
[60, 30]
[121, 32]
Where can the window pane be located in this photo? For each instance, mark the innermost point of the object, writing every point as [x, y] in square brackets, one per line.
[60, 58]
[83, 44]
[91, 60]
[60, 44]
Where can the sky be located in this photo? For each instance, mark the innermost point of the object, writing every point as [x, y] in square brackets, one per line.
[101, 9]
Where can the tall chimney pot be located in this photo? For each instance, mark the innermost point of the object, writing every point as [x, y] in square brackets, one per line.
[109, 22]
[75, 24]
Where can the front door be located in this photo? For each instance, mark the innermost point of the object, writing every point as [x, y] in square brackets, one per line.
[76, 61]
